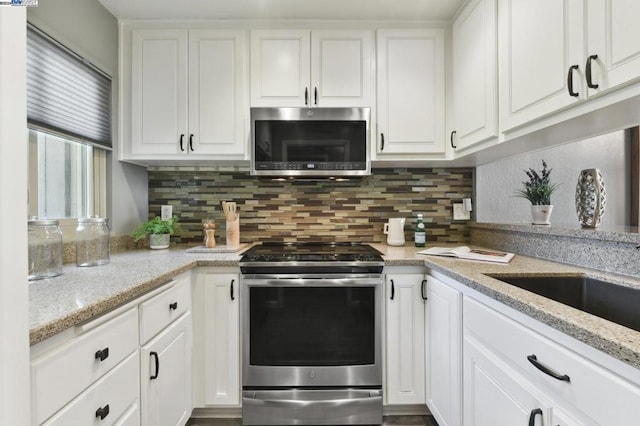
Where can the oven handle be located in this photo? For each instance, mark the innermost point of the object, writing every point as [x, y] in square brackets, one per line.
[362, 397]
[314, 282]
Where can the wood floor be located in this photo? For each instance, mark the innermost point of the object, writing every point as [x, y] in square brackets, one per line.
[388, 421]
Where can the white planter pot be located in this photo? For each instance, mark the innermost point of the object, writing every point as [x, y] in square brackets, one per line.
[159, 241]
[541, 214]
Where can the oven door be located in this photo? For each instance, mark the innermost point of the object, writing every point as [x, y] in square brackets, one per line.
[310, 331]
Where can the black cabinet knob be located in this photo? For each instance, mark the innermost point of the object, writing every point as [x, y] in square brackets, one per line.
[173, 306]
[102, 412]
[102, 354]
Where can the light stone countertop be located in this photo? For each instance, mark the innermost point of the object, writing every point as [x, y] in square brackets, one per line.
[618, 341]
[81, 294]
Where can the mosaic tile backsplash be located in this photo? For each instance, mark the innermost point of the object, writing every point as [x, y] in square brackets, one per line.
[352, 211]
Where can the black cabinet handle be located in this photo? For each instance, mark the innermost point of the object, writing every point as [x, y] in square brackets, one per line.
[181, 138]
[155, 355]
[102, 412]
[393, 289]
[422, 288]
[546, 370]
[173, 306]
[381, 141]
[306, 96]
[102, 354]
[570, 81]
[231, 290]
[451, 140]
[589, 77]
[532, 416]
[191, 142]
[315, 95]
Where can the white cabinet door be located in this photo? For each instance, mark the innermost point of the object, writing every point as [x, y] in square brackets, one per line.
[404, 339]
[166, 375]
[216, 92]
[539, 43]
[221, 338]
[494, 394]
[280, 68]
[158, 92]
[613, 36]
[410, 96]
[341, 68]
[475, 74]
[443, 319]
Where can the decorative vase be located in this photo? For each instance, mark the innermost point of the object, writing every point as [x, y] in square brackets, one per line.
[541, 214]
[590, 198]
[159, 241]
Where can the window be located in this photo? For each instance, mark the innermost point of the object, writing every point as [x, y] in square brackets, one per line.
[69, 120]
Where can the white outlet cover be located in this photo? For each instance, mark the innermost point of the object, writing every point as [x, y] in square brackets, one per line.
[459, 213]
[166, 212]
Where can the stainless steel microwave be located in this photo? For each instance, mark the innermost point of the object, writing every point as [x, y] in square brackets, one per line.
[310, 142]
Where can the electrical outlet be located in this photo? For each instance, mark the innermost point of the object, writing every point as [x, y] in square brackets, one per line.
[459, 213]
[166, 212]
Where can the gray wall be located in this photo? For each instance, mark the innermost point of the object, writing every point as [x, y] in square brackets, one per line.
[496, 182]
[90, 30]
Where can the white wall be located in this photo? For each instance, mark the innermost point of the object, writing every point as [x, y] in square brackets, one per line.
[496, 182]
[86, 27]
[14, 298]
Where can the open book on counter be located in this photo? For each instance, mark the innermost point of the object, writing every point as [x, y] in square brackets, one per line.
[464, 252]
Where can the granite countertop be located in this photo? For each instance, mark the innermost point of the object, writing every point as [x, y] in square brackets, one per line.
[618, 341]
[81, 294]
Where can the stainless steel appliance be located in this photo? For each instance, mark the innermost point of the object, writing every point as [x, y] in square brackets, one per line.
[311, 319]
[310, 142]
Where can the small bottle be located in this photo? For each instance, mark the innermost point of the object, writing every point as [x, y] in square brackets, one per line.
[420, 235]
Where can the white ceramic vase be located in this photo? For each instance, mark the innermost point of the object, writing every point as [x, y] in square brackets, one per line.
[159, 241]
[541, 214]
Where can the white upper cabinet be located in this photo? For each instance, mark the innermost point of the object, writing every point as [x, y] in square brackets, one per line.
[475, 75]
[411, 92]
[324, 68]
[540, 43]
[158, 91]
[187, 94]
[613, 50]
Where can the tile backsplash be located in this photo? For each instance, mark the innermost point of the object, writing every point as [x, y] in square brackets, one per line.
[315, 210]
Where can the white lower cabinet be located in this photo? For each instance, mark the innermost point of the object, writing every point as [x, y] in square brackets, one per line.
[443, 327]
[404, 345]
[166, 375]
[128, 367]
[165, 359]
[494, 394]
[217, 322]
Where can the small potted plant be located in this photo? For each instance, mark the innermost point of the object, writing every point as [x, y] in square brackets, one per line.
[158, 230]
[538, 191]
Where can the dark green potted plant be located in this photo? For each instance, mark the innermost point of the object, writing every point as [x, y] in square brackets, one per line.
[538, 191]
[158, 230]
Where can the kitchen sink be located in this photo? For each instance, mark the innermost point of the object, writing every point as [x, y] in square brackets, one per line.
[607, 300]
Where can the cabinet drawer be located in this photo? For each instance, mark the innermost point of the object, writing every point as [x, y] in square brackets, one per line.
[163, 309]
[114, 397]
[60, 375]
[598, 393]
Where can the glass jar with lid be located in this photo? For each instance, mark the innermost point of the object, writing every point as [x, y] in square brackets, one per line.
[45, 248]
[92, 241]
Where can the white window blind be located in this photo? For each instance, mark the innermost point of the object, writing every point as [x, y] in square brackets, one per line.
[65, 94]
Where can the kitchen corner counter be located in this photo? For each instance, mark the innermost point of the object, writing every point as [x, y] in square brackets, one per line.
[620, 342]
[81, 294]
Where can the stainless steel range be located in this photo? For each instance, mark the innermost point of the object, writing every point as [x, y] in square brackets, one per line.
[312, 334]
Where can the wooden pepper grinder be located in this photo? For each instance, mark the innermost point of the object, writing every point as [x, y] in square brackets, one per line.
[209, 234]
